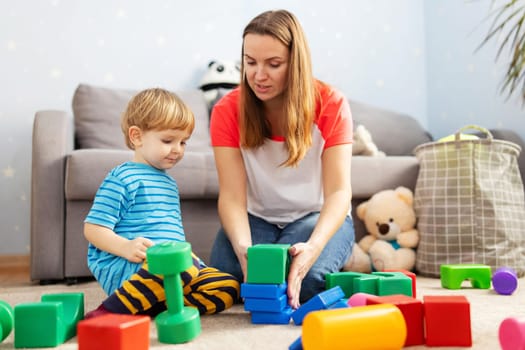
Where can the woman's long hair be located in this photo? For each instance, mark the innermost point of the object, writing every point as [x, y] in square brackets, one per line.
[299, 95]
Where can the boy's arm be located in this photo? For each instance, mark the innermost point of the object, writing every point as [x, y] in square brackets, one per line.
[105, 239]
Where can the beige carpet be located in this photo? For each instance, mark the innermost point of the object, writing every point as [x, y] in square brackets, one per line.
[233, 329]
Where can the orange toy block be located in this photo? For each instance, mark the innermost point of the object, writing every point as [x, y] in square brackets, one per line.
[373, 327]
[114, 332]
[409, 274]
[412, 310]
[447, 320]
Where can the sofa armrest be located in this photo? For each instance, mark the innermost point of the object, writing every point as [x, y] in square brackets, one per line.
[52, 140]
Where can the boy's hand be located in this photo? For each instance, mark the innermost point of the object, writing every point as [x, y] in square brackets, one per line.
[135, 249]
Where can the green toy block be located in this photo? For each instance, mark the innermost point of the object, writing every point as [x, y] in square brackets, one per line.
[345, 280]
[366, 284]
[39, 325]
[453, 275]
[73, 310]
[391, 283]
[6, 320]
[268, 263]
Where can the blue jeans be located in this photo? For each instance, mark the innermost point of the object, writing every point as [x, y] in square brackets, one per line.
[332, 258]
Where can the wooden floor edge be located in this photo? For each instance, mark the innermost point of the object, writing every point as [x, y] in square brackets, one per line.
[14, 261]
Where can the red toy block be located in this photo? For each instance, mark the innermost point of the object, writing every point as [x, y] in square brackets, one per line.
[412, 310]
[409, 274]
[114, 332]
[447, 320]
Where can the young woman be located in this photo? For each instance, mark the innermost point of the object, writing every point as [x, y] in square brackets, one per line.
[282, 145]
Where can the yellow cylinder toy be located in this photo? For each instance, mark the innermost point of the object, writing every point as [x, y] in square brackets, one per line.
[373, 327]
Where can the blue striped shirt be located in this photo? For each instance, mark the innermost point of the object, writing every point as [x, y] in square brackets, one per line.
[134, 200]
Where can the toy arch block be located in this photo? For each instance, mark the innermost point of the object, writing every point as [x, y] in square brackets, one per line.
[6, 320]
[268, 263]
[453, 275]
[73, 310]
[114, 332]
[447, 320]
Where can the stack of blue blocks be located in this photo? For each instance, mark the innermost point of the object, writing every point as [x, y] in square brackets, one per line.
[267, 303]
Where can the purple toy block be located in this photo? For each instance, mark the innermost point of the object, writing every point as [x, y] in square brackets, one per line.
[263, 291]
[283, 317]
[505, 281]
[319, 302]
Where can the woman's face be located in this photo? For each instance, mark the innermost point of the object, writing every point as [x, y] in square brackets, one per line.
[266, 62]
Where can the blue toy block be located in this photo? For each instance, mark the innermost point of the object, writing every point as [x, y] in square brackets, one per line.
[297, 344]
[341, 303]
[319, 302]
[263, 291]
[266, 305]
[282, 317]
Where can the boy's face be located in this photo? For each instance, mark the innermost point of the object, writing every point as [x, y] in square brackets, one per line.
[161, 149]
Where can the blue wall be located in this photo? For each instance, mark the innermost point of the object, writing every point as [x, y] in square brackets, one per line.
[411, 56]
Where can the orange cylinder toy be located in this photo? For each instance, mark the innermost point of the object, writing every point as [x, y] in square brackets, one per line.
[373, 327]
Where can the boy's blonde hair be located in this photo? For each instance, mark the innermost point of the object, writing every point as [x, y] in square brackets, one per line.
[156, 109]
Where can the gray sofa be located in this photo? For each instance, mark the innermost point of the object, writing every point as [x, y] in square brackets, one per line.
[73, 153]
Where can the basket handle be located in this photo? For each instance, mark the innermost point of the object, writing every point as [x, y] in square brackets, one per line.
[488, 134]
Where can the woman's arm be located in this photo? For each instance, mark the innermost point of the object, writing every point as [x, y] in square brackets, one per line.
[232, 201]
[336, 167]
[105, 239]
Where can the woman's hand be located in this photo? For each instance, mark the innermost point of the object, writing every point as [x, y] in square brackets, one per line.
[135, 250]
[304, 256]
[242, 255]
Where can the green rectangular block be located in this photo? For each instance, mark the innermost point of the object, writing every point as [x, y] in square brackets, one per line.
[268, 263]
[39, 325]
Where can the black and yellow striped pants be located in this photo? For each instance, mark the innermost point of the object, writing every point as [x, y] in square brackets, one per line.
[206, 288]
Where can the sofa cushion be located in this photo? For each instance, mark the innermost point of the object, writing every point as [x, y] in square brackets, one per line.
[86, 169]
[97, 112]
[373, 174]
[394, 133]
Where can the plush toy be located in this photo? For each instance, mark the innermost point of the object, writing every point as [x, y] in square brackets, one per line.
[363, 144]
[219, 77]
[390, 220]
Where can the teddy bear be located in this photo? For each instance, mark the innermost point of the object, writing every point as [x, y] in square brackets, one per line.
[390, 221]
[219, 78]
[363, 144]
